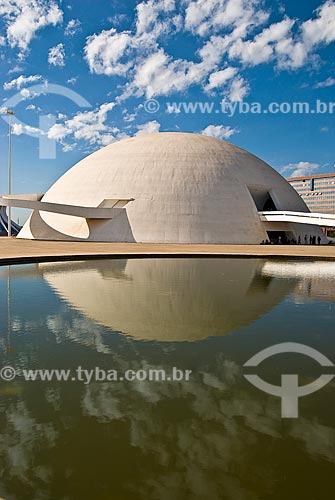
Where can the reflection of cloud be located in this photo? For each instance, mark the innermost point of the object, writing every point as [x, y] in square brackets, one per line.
[197, 439]
[212, 437]
[77, 330]
[22, 436]
[98, 403]
[203, 431]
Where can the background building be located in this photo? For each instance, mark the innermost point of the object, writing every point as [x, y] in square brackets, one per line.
[317, 191]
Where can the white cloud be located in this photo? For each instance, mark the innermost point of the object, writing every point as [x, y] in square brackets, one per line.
[89, 126]
[276, 43]
[15, 69]
[219, 131]
[321, 29]
[160, 74]
[264, 45]
[220, 78]
[235, 87]
[148, 16]
[294, 51]
[59, 131]
[56, 55]
[129, 117]
[230, 30]
[207, 16]
[72, 80]
[24, 18]
[148, 128]
[151, 70]
[25, 93]
[117, 19]
[299, 169]
[330, 82]
[31, 92]
[238, 90]
[32, 107]
[21, 81]
[72, 27]
[173, 108]
[19, 129]
[291, 54]
[114, 53]
[104, 51]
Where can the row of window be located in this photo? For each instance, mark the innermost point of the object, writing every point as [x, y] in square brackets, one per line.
[316, 182]
[314, 194]
[322, 208]
[307, 188]
[326, 199]
[322, 197]
[330, 199]
[326, 196]
[321, 179]
[328, 204]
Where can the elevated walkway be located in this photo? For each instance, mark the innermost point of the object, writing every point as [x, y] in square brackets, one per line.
[108, 209]
[314, 219]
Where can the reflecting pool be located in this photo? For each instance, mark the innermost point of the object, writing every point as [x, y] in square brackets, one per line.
[209, 437]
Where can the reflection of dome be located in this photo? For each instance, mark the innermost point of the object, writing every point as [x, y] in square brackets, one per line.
[168, 299]
[187, 188]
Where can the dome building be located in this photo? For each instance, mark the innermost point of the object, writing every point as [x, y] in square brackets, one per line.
[168, 188]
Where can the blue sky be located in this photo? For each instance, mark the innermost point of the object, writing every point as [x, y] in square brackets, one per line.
[117, 55]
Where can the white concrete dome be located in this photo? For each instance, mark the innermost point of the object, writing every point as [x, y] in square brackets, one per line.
[187, 188]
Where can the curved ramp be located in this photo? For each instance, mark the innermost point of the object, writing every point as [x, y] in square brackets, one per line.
[314, 219]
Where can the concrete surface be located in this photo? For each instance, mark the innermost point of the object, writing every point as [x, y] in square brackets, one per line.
[14, 250]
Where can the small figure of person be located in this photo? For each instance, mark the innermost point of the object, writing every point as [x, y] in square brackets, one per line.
[319, 240]
[311, 240]
[306, 239]
[280, 241]
[299, 240]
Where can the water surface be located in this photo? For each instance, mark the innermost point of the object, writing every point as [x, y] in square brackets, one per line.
[212, 437]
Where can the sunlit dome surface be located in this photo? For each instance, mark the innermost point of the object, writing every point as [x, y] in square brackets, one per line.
[187, 188]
